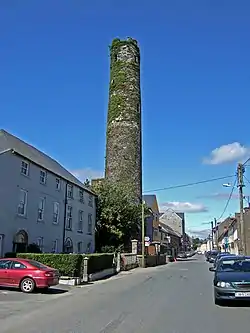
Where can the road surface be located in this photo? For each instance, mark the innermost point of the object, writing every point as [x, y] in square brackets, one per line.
[176, 298]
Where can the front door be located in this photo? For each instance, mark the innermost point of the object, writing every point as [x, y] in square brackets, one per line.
[16, 273]
[4, 271]
[19, 247]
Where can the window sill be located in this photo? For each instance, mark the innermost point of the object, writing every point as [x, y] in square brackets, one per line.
[44, 184]
[22, 216]
[68, 229]
[27, 176]
[89, 233]
[40, 221]
[80, 231]
[55, 223]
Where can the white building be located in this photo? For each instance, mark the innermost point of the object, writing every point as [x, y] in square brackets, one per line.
[172, 219]
[41, 202]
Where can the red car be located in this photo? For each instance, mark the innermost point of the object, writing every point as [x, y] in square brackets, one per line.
[26, 274]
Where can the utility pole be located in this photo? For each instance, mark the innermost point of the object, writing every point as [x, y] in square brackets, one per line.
[212, 234]
[209, 242]
[240, 172]
[143, 235]
[216, 234]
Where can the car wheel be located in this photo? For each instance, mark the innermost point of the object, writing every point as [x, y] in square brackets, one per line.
[27, 285]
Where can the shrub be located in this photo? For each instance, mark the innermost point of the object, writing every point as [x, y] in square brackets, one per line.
[10, 255]
[33, 248]
[99, 261]
[72, 264]
[66, 264]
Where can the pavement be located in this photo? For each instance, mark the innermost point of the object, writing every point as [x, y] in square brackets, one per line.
[175, 298]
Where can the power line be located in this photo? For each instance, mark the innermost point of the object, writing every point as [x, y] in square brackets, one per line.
[188, 184]
[228, 200]
[244, 164]
[247, 179]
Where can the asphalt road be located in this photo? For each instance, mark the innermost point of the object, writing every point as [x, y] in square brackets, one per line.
[176, 298]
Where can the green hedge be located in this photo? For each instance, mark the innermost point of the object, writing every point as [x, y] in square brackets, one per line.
[72, 264]
[66, 264]
[99, 261]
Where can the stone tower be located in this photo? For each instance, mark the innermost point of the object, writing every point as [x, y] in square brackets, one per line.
[124, 143]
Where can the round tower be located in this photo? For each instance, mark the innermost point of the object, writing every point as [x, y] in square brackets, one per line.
[123, 146]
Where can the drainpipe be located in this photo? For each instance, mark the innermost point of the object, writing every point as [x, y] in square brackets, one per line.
[65, 216]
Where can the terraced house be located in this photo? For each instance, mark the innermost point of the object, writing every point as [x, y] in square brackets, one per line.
[41, 202]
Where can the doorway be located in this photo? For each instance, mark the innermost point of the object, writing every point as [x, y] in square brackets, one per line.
[20, 242]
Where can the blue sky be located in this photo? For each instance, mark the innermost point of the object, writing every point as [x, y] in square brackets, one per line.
[54, 65]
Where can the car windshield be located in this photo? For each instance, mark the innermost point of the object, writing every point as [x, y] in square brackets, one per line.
[235, 265]
[37, 264]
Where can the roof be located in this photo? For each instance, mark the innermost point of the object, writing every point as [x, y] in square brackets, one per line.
[11, 142]
[150, 200]
[169, 215]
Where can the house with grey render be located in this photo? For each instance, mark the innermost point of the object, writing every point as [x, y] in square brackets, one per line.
[41, 202]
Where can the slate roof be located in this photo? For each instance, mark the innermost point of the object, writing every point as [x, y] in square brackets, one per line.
[150, 199]
[16, 145]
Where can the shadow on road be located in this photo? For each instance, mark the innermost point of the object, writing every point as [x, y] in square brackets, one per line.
[52, 291]
[235, 304]
[49, 291]
[186, 259]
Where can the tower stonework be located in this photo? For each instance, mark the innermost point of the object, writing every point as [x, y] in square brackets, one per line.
[124, 142]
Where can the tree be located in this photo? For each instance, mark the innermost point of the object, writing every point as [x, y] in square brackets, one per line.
[196, 242]
[87, 183]
[118, 217]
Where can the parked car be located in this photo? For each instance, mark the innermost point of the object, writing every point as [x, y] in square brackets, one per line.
[182, 255]
[220, 255]
[27, 274]
[199, 252]
[190, 254]
[212, 255]
[231, 279]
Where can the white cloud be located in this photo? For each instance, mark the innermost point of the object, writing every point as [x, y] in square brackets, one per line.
[184, 207]
[198, 233]
[87, 173]
[227, 153]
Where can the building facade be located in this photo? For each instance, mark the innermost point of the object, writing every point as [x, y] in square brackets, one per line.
[152, 221]
[124, 143]
[173, 220]
[42, 203]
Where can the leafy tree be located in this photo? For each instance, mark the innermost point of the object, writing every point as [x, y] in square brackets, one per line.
[196, 242]
[87, 183]
[118, 217]
[33, 248]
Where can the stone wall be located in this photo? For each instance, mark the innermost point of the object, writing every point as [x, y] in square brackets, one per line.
[123, 147]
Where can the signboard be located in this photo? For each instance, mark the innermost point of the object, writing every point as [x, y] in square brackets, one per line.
[147, 243]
